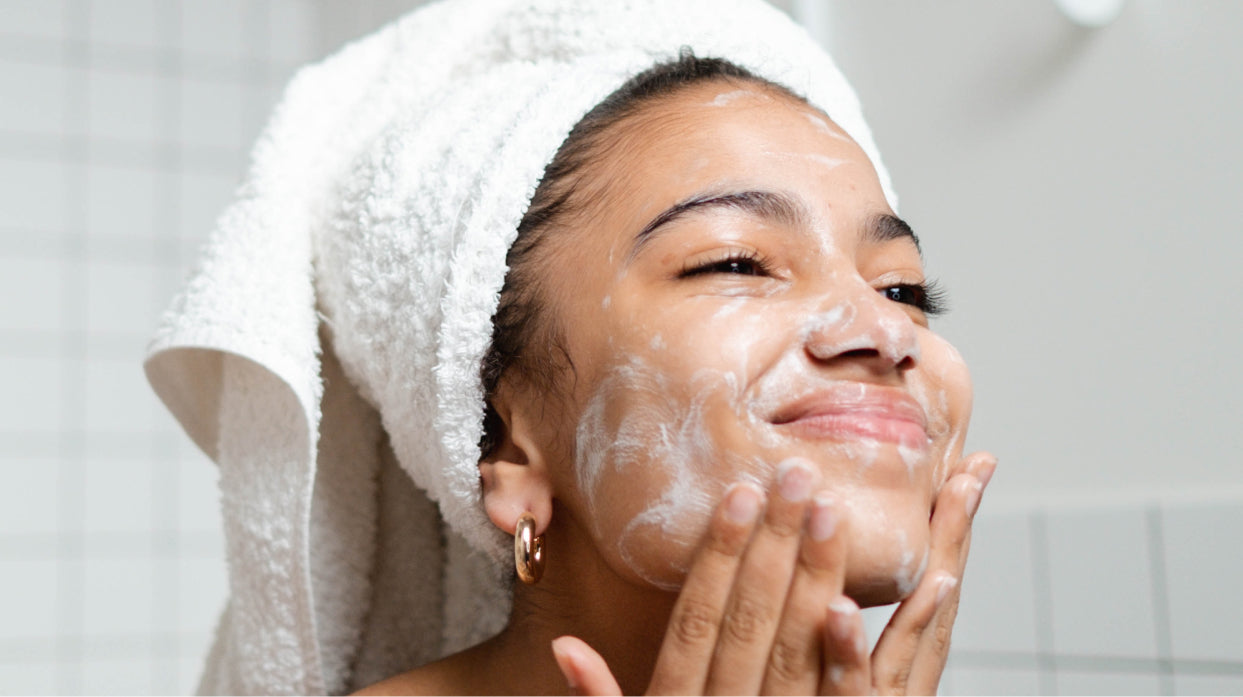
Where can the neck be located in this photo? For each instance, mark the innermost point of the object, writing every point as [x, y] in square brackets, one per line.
[580, 595]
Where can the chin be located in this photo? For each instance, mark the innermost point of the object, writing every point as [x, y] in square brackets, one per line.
[888, 552]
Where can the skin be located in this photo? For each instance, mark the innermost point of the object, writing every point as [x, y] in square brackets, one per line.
[679, 471]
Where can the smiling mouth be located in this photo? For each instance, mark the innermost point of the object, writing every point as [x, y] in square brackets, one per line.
[855, 410]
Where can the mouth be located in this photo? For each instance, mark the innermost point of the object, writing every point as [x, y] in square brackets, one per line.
[855, 410]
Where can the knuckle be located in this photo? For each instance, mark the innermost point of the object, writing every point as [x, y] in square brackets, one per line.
[694, 623]
[899, 679]
[747, 620]
[726, 539]
[941, 637]
[789, 661]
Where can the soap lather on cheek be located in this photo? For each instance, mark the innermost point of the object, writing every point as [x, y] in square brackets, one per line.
[680, 460]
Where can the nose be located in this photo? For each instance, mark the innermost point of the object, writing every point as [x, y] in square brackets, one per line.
[863, 325]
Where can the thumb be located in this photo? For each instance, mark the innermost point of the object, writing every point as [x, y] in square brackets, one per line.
[585, 670]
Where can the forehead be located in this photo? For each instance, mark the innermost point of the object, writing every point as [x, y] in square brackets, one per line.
[728, 134]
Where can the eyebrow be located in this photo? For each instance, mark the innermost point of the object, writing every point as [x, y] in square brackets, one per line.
[766, 205]
[770, 206]
[885, 227]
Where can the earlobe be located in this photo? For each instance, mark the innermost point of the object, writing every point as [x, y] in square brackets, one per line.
[514, 475]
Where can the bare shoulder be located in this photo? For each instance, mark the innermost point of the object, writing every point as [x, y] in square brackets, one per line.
[428, 680]
[414, 682]
[454, 675]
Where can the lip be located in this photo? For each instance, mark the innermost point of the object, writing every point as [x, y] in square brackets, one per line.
[852, 410]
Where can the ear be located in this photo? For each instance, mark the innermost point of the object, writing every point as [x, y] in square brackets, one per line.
[515, 474]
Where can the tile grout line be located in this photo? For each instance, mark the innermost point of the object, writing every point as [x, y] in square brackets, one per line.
[1042, 594]
[1160, 598]
[166, 248]
[1018, 660]
[71, 566]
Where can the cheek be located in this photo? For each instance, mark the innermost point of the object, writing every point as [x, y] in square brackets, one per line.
[651, 468]
[943, 387]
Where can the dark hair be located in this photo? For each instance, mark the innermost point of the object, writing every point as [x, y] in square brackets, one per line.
[519, 323]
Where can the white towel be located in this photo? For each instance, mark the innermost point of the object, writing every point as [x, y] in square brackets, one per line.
[372, 228]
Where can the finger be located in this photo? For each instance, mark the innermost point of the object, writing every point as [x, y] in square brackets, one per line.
[934, 645]
[794, 663]
[694, 624]
[847, 670]
[916, 641]
[761, 585]
[894, 656]
[585, 671]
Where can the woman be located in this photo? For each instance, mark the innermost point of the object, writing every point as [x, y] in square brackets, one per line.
[723, 303]
[717, 421]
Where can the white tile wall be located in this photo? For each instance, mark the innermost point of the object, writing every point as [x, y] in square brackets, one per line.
[1209, 684]
[29, 602]
[294, 31]
[215, 28]
[1107, 683]
[1202, 552]
[212, 113]
[200, 578]
[120, 297]
[198, 507]
[991, 681]
[117, 400]
[119, 495]
[117, 597]
[131, 676]
[1101, 588]
[121, 202]
[32, 18]
[124, 105]
[27, 499]
[1125, 584]
[33, 395]
[203, 196]
[998, 611]
[33, 289]
[128, 23]
[43, 89]
[124, 128]
[34, 196]
[35, 678]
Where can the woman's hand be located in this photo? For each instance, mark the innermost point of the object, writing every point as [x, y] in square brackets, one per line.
[751, 616]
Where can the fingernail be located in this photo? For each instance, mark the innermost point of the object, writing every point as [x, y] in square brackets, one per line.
[973, 498]
[823, 519]
[844, 609]
[794, 480]
[986, 472]
[944, 586]
[566, 663]
[742, 504]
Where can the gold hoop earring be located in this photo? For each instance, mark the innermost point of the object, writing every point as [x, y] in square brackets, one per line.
[528, 550]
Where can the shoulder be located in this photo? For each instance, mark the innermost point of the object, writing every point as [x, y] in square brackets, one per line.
[420, 681]
[453, 675]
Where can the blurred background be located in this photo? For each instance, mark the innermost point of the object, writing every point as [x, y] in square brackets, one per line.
[1077, 189]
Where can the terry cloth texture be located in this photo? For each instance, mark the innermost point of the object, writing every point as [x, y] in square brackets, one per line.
[326, 351]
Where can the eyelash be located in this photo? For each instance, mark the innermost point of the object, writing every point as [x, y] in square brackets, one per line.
[729, 263]
[928, 297]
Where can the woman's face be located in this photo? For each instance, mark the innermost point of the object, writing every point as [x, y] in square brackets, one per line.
[736, 293]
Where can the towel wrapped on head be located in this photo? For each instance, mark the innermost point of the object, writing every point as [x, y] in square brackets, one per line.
[326, 352]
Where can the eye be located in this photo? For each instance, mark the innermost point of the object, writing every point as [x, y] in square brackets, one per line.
[734, 262]
[929, 298]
